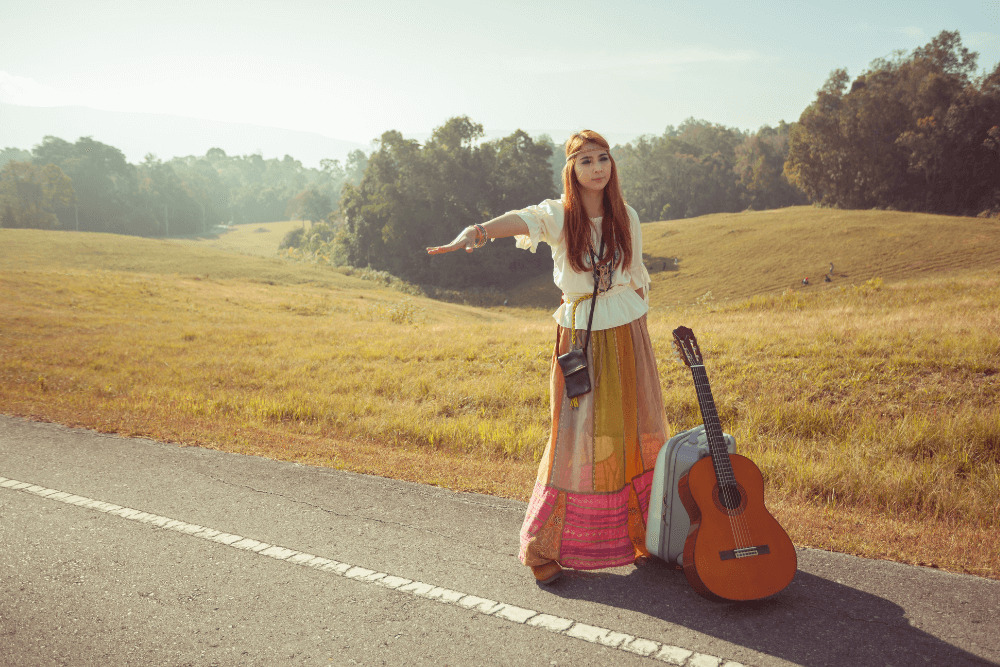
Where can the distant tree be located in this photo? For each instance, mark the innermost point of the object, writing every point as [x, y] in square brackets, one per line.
[31, 194]
[310, 204]
[187, 195]
[104, 182]
[334, 178]
[410, 194]
[946, 54]
[557, 159]
[760, 169]
[168, 206]
[686, 172]
[11, 154]
[912, 133]
[385, 194]
[518, 170]
[293, 238]
[203, 180]
[357, 164]
[817, 149]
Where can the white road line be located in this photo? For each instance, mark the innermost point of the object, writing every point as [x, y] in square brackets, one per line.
[673, 655]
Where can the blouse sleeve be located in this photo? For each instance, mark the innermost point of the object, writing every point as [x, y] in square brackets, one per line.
[640, 276]
[543, 225]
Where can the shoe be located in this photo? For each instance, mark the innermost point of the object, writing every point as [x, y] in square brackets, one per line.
[547, 573]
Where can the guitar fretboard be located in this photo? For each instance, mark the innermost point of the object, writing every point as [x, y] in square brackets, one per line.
[713, 428]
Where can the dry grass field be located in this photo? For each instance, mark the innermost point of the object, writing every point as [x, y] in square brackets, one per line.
[261, 240]
[870, 403]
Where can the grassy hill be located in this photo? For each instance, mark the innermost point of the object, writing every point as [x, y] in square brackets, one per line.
[261, 240]
[870, 403]
[731, 256]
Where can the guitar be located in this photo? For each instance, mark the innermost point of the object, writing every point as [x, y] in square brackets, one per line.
[735, 549]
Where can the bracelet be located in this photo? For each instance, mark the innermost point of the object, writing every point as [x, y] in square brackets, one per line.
[481, 236]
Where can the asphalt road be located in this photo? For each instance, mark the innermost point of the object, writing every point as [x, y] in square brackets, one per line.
[118, 551]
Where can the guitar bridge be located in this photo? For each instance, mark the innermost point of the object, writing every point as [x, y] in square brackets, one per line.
[745, 552]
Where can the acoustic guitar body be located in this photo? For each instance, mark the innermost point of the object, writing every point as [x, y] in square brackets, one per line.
[735, 549]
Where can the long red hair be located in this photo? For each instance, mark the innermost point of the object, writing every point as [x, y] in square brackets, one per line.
[615, 224]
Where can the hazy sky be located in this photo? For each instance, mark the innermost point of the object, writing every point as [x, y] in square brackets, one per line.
[351, 70]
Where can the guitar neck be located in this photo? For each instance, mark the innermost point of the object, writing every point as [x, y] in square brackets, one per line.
[713, 428]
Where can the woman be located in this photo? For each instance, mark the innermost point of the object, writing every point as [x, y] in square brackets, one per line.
[591, 497]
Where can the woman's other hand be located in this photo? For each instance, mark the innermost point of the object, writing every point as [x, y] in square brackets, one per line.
[466, 240]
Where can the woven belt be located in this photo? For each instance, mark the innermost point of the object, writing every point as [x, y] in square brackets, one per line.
[576, 301]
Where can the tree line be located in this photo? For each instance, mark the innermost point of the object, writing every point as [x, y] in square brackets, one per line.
[90, 186]
[412, 196]
[916, 131]
[416, 195]
[701, 167]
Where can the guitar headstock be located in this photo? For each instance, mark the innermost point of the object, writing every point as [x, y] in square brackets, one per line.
[687, 348]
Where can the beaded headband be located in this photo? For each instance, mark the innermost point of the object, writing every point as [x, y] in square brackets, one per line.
[589, 150]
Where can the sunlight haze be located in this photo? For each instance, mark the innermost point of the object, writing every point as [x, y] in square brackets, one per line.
[352, 70]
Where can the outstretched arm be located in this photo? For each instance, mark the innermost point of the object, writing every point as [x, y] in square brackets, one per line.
[508, 224]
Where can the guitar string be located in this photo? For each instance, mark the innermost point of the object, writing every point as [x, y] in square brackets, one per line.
[737, 524]
[710, 418]
[725, 475]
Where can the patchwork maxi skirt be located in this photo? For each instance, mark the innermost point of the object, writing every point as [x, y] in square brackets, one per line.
[590, 502]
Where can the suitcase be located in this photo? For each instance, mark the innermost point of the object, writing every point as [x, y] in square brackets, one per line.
[668, 524]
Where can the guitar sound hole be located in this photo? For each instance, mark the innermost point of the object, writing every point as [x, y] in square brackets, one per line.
[730, 498]
[729, 495]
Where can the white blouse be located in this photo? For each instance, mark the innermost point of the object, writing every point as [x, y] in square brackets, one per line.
[620, 304]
